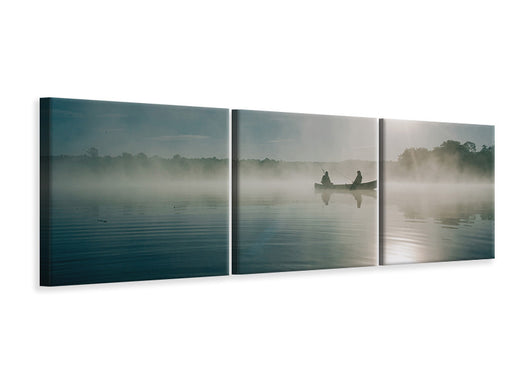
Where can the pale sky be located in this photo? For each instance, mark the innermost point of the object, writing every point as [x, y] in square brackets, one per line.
[114, 128]
[402, 134]
[301, 137]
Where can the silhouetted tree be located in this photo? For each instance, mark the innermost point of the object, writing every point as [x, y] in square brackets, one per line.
[450, 156]
[470, 147]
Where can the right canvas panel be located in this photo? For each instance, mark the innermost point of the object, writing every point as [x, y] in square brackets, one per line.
[436, 192]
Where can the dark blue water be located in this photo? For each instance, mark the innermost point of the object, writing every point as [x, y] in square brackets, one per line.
[122, 235]
[295, 228]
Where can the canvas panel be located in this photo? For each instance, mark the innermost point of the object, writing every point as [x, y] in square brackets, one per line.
[437, 191]
[132, 191]
[284, 218]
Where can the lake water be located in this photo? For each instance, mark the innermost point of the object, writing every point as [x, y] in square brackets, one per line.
[137, 234]
[432, 222]
[296, 228]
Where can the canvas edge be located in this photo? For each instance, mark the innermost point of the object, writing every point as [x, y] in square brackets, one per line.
[44, 192]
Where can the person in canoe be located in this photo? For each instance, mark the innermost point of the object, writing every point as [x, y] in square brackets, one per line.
[325, 179]
[357, 181]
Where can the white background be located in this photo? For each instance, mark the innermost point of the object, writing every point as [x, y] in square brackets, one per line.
[436, 323]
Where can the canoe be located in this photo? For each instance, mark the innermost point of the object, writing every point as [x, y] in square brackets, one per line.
[362, 186]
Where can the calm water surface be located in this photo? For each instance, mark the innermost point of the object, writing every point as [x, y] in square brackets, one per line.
[424, 223]
[120, 235]
[287, 229]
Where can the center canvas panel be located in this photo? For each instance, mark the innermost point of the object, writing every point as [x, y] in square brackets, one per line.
[304, 192]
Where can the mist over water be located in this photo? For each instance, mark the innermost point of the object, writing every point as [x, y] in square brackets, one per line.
[288, 226]
[437, 222]
[268, 171]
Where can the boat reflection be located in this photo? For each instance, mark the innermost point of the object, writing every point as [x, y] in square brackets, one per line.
[358, 195]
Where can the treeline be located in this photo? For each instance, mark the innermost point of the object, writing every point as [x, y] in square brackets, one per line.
[139, 166]
[127, 166]
[451, 161]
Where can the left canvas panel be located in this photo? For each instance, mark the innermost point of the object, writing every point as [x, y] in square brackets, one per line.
[132, 191]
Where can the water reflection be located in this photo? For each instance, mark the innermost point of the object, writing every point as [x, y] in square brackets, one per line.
[358, 196]
[446, 210]
[425, 223]
[291, 229]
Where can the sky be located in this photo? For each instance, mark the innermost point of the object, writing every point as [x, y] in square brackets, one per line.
[402, 134]
[301, 137]
[114, 128]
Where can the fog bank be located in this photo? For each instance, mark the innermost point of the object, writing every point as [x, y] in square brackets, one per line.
[273, 171]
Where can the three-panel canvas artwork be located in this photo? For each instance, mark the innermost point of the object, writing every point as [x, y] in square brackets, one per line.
[135, 191]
